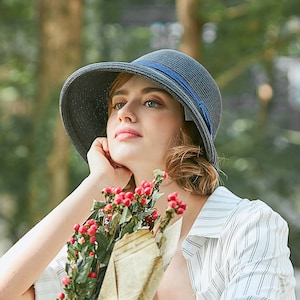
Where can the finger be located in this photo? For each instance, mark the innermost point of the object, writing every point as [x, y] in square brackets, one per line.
[98, 144]
[105, 145]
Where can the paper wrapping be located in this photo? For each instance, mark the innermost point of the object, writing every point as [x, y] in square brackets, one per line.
[137, 265]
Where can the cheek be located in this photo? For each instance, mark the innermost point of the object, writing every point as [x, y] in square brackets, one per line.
[169, 132]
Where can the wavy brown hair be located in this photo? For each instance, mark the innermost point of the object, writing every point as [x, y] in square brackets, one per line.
[186, 163]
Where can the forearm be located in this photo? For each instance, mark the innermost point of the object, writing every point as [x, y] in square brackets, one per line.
[25, 261]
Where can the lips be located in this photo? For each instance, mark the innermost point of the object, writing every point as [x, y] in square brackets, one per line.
[126, 133]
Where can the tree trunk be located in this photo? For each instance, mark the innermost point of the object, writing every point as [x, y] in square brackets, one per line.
[188, 16]
[60, 53]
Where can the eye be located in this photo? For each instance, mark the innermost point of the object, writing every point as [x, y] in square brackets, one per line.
[118, 105]
[152, 103]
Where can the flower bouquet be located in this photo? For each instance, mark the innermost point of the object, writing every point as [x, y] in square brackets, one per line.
[122, 250]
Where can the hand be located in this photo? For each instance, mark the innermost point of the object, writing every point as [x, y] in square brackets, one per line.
[104, 167]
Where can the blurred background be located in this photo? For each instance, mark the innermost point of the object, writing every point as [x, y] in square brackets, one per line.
[251, 48]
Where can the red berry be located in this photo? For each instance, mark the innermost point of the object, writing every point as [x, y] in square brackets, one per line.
[154, 215]
[139, 191]
[180, 211]
[61, 296]
[108, 207]
[118, 199]
[82, 229]
[173, 196]
[90, 222]
[92, 239]
[76, 227]
[148, 191]
[172, 203]
[93, 274]
[66, 280]
[143, 201]
[92, 230]
[107, 190]
[144, 183]
[183, 205]
[129, 195]
[72, 240]
[117, 190]
[127, 202]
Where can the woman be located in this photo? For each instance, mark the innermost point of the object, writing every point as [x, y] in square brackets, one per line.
[164, 111]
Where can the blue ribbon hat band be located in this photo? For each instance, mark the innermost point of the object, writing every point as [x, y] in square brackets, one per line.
[186, 86]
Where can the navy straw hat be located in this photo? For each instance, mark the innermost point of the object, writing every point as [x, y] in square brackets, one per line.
[84, 96]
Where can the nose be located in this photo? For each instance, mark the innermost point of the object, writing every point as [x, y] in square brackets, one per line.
[127, 113]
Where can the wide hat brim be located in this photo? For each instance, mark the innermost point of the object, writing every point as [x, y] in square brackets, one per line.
[84, 97]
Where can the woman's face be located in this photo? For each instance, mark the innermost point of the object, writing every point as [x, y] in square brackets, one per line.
[143, 124]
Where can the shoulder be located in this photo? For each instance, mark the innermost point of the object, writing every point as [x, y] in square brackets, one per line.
[253, 224]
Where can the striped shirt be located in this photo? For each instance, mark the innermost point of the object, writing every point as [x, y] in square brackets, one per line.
[236, 249]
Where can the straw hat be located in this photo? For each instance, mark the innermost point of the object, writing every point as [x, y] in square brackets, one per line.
[84, 96]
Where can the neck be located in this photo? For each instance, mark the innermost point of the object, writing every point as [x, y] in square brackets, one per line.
[194, 204]
[144, 173]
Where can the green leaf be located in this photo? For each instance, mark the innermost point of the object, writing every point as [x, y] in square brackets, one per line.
[126, 216]
[84, 269]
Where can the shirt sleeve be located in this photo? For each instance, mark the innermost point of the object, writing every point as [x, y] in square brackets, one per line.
[257, 257]
[49, 285]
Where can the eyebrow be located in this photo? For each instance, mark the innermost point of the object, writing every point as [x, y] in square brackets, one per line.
[145, 90]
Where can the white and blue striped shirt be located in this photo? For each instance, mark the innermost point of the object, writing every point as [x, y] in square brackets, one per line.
[237, 249]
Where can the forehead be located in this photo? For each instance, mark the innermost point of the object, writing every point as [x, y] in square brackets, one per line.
[123, 79]
[124, 82]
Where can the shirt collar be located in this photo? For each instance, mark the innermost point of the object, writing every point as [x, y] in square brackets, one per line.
[211, 220]
[214, 214]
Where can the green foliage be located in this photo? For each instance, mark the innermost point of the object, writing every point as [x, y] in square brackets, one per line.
[249, 30]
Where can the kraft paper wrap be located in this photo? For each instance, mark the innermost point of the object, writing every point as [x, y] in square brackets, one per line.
[137, 265]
